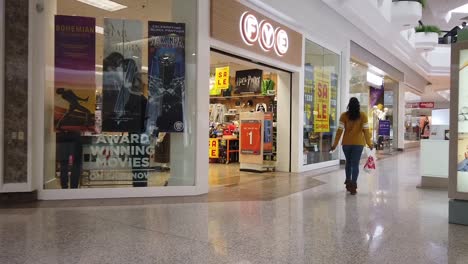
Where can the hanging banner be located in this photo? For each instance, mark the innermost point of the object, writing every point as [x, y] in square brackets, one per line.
[321, 101]
[268, 133]
[249, 81]
[166, 74]
[75, 81]
[213, 148]
[251, 137]
[222, 78]
[376, 97]
[124, 104]
[308, 95]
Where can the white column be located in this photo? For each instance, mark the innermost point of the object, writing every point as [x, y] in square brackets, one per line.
[401, 115]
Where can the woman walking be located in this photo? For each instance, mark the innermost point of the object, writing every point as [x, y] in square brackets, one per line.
[356, 136]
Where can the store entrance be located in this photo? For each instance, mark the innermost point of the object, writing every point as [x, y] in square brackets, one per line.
[250, 120]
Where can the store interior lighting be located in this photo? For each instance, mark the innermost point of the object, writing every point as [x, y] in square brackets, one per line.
[374, 79]
[100, 30]
[107, 5]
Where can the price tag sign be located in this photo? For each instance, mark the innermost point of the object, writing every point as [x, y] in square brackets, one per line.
[251, 137]
[222, 78]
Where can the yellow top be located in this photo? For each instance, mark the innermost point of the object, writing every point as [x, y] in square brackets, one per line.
[355, 132]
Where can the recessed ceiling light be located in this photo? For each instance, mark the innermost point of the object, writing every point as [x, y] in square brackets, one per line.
[107, 5]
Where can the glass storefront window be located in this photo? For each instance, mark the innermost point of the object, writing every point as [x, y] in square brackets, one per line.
[322, 72]
[119, 90]
[379, 102]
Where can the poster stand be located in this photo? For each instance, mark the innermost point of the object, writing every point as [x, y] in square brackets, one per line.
[252, 142]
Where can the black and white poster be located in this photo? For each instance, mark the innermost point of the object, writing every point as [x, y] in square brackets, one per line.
[166, 77]
[124, 103]
[248, 81]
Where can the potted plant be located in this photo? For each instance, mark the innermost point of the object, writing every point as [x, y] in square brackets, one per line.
[407, 13]
[426, 37]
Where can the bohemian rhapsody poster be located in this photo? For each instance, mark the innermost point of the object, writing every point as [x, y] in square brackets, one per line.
[75, 82]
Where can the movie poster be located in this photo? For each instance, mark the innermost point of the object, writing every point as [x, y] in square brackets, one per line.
[124, 103]
[166, 74]
[308, 95]
[376, 97]
[249, 81]
[75, 82]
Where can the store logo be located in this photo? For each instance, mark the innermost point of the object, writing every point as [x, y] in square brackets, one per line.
[268, 37]
[178, 126]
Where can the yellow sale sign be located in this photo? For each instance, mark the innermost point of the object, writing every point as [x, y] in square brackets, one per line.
[214, 148]
[222, 78]
[322, 101]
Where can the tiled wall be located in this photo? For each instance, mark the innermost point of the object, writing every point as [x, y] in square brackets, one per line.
[16, 91]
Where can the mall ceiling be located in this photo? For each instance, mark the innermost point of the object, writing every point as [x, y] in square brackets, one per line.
[436, 11]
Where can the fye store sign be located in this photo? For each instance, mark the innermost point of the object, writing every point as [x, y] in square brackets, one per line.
[264, 33]
[237, 25]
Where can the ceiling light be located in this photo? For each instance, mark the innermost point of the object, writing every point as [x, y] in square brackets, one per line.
[411, 97]
[460, 9]
[374, 79]
[100, 30]
[107, 5]
[445, 94]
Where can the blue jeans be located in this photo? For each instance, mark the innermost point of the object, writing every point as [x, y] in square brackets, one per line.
[353, 156]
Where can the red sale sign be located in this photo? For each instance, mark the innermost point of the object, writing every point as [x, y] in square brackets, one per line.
[251, 137]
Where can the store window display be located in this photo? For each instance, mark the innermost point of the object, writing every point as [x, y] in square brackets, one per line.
[320, 103]
[377, 93]
[245, 128]
[117, 103]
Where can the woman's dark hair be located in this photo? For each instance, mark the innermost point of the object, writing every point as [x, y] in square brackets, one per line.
[354, 109]
[113, 60]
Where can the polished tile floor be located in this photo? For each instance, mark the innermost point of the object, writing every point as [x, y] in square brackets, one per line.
[389, 221]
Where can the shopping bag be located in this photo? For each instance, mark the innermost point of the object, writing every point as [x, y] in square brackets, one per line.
[369, 167]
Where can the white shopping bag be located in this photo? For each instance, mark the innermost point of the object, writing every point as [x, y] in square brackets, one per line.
[369, 167]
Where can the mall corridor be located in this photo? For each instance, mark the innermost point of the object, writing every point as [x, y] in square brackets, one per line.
[389, 221]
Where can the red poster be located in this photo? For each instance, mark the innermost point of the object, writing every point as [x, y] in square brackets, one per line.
[251, 137]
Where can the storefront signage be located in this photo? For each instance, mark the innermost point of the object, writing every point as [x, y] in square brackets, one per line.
[235, 24]
[426, 105]
[268, 37]
[322, 101]
[421, 105]
[214, 148]
[222, 78]
[384, 128]
[251, 137]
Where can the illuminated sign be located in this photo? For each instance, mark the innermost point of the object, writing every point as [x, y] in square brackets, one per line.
[264, 33]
